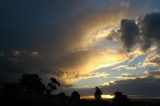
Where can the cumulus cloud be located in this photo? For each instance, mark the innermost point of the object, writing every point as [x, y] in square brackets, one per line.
[150, 29]
[145, 33]
[129, 33]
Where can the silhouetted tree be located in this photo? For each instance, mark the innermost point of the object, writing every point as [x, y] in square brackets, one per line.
[98, 93]
[31, 83]
[52, 85]
[75, 96]
[120, 99]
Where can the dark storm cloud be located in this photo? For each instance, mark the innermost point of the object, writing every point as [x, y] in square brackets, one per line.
[16, 63]
[129, 33]
[49, 27]
[146, 32]
[32, 24]
[54, 28]
[150, 26]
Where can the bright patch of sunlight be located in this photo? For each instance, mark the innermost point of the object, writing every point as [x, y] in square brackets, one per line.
[103, 97]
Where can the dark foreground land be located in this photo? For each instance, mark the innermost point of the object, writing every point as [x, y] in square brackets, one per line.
[67, 101]
[30, 91]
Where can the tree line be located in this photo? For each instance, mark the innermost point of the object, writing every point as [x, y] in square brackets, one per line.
[31, 85]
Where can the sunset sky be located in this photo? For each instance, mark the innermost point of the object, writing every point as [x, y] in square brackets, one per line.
[113, 44]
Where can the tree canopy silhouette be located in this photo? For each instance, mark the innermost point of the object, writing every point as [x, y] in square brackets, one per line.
[98, 93]
[52, 85]
[75, 95]
[120, 99]
[32, 83]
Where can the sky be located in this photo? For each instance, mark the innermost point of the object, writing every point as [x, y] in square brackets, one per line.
[113, 44]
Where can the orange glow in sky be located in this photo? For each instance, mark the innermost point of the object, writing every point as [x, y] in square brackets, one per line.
[103, 97]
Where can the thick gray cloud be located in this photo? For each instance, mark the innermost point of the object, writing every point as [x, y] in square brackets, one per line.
[145, 32]
[37, 24]
[150, 26]
[16, 63]
[129, 33]
[139, 87]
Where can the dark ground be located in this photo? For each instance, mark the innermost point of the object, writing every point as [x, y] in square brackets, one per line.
[66, 101]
